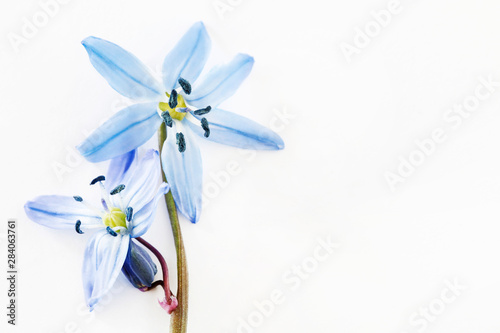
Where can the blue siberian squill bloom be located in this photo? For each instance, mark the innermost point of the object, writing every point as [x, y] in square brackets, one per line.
[129, 197]
[184, 108]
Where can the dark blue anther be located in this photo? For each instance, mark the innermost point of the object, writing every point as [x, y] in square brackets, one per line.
[78, 198]
[98, 179]
[117, 189]
[111, 232]
[167, 118]
[204, 125]
[77, 227]
[172, 101]
[129, 213]
[186, 86]
[201, 112]
[181, 142]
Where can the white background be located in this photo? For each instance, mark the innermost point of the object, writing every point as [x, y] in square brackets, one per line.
[348, 123]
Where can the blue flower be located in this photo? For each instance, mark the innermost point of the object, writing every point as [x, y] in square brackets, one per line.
[184, 108]
[129, 197]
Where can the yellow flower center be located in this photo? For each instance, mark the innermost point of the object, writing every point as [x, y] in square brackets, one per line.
[115, 218]
[174, 114]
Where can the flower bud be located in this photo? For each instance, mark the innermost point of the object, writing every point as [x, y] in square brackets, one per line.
[139, 268]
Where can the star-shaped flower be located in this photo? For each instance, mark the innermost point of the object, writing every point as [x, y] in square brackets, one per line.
[184, 103]
[129, 197]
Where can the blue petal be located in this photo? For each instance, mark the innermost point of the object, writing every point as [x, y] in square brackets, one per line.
[142, 184]
[102, 263]
[231, 129]
[120, 168]
[60, 212]
[126, 130]
[139, 268]
[123, 71]
[187, 58]
[143, 219]
[184, 173]
[221, 82]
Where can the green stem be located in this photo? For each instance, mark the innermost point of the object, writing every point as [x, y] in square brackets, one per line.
[178, 321]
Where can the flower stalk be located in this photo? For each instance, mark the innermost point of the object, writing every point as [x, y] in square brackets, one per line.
[178, 322]
[169, 298]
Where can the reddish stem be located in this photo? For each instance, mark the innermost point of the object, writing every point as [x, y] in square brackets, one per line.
[164, 268]
[153, 286]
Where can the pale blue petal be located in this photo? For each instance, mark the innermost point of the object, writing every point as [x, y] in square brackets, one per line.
[102, 263]
[123, 71]
[187, 58]
[221, 82]
[60, 212]
[126, 130]
[184, 174]
[144, 181]
[233, 130]
[143, 218]
[120, 168]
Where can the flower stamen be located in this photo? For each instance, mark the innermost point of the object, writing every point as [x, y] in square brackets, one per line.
[128, 216]
[77, 227]
[111, 231]
[180, 141]
[89, 206]
[172, 101]
[185, 85]
[129, 213]
[204, 125]
[201, 112]
[97, 179]
[104, 195]
[117, 189]
[177, 112]
[167, 118]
